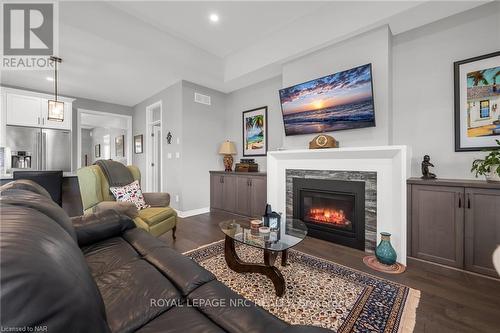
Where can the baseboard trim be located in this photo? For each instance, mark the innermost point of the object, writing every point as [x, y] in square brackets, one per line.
[445, 267]
[192, 212]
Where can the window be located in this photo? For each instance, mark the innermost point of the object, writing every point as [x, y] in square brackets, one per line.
[484, 109]
[107, 146]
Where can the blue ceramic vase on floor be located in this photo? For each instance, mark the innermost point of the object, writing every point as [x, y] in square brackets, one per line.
[384, 252]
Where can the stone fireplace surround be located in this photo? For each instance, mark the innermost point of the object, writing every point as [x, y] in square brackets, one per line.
[370, 180]
[389, 163]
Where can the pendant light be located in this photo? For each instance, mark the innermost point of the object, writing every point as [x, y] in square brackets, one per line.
[56, 108]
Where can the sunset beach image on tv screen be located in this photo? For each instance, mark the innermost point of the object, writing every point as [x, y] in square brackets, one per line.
[335, 102]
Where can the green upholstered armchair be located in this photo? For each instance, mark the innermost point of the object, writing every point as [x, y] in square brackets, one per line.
[94, 189]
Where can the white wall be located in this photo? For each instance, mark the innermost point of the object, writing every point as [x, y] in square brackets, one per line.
[423, 85]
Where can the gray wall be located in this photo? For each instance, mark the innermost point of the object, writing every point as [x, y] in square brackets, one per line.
[203, 132]
[261, 94]
[171, 99]
[197, 130]
[413, 82]
[423, 85]
[372, 47]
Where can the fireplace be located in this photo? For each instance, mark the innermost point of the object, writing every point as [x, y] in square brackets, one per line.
[333, 210]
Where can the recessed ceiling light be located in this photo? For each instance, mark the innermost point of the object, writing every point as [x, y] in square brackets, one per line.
[49, 78]
[214, 17]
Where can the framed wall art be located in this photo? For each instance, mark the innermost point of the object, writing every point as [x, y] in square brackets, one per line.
[138, 144]
[477, 101]
[255, 132]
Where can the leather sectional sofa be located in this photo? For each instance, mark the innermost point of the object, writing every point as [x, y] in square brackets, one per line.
[99, 273]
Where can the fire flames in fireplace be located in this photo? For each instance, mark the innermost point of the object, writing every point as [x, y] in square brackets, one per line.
[328, 215]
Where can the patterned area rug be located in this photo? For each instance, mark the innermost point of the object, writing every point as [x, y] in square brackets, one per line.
[318, 292]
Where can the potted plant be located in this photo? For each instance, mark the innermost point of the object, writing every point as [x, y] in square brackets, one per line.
[489, 166]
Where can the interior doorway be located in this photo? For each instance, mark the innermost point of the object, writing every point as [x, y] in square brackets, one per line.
[154, 167]
[103, 135]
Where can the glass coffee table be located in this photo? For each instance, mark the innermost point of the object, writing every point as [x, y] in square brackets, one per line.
[291, 233]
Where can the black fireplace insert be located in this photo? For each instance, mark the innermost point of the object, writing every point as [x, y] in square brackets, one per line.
[333, 210]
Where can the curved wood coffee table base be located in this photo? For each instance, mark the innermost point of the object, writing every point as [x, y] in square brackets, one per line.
[267, 269]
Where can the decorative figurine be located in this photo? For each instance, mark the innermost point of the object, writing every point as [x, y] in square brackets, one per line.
[169, 138]
[426, 163]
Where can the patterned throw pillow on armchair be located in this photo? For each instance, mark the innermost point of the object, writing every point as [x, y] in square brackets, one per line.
[130, 193]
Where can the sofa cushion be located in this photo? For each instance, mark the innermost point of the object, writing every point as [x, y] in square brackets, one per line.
[155, 215]
[45, 280]
[27, 198]
[184, 272]
[105, 256]
[181, 319]
[26, 184]
[128, 292]
[142, 241]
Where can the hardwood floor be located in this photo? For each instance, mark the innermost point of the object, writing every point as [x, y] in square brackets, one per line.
[451, 300]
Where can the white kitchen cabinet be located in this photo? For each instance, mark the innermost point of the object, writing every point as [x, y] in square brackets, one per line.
[46, 123]
[23, 110]
[26, 108]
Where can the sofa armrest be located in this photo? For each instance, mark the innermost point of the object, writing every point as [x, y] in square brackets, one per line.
[96, 227]
[125, 208]
[157, 199]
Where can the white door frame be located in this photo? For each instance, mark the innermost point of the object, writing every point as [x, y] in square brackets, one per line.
[149, 143]
[128, 142]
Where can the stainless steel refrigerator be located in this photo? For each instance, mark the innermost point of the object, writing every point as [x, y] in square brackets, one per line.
[38, 148]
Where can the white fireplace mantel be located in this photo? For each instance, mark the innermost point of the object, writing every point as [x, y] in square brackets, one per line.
[391, 163]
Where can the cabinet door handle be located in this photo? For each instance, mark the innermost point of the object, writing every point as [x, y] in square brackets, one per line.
[459, 201]
[38, 120]
[250, 180]
[468, 200]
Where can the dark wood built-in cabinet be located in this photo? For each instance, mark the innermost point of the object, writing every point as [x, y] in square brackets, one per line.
[239, 193]
[454, 222]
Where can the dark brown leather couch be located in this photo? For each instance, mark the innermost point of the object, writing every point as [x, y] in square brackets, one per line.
[100, 273]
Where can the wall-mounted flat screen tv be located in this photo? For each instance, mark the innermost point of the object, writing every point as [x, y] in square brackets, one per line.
[339, 101]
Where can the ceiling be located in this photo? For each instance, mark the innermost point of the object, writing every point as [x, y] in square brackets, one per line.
[124, 52]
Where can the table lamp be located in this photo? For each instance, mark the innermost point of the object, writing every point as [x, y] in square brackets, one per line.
[227, 149]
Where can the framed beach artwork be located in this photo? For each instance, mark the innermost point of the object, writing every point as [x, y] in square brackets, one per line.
[255, 132]
[477, 101]
[119, 146]
[138, 144]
